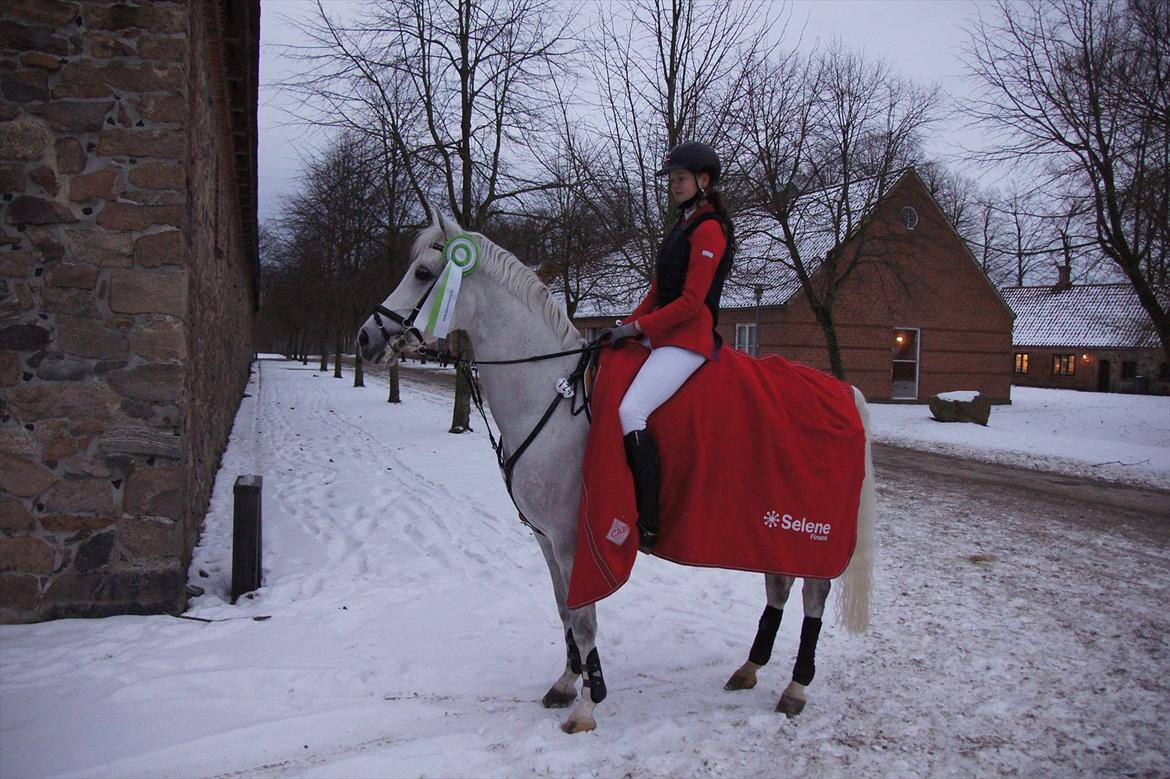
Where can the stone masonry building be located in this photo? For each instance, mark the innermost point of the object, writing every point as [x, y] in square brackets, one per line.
[128, 284]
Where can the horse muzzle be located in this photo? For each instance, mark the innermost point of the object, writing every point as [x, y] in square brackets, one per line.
[371, 347]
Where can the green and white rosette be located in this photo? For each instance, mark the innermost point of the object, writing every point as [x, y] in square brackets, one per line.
[461, 253]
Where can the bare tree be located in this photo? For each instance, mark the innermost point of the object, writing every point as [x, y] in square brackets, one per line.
[823, 138]
[667, 71]
[1080, 92]
[458, 87]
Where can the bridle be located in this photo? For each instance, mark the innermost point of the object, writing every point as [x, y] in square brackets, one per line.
[395, 344]
[572, 387]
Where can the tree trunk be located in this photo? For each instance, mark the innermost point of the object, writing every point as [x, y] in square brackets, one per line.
[392, 377]
[359, 378]
[337, 358]
[461, 417]
[832, 345]
[324, 356]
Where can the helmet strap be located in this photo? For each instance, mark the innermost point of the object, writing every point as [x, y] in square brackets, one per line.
[692, 201]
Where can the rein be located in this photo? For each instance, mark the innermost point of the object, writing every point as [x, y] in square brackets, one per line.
[572, 388]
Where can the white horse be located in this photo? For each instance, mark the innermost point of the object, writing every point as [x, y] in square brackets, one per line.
[507, 313]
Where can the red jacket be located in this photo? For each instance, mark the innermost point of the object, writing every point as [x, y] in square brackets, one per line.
[686, 322]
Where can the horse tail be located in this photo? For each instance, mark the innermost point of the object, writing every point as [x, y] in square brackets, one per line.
[853, 603]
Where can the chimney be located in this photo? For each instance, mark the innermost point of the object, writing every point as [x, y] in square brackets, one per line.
[1063, 280]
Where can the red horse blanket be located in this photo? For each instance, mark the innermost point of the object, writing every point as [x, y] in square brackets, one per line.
[762, 465]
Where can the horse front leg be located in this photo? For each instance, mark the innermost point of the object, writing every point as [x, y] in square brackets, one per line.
[564, 690]
[815, 593]
[593, 692]
[777, 588]
[580, 627]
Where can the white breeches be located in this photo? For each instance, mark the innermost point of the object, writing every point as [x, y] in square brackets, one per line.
[665, 370]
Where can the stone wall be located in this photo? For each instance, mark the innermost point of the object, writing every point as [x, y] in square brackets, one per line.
[116, 269]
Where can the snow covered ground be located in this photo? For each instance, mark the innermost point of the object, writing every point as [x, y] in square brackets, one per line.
[1123, 438]
[408, 626]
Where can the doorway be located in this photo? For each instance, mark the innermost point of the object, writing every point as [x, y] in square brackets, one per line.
[904, 376]
[1103, 376]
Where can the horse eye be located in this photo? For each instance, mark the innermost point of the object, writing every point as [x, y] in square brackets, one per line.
[423, 273]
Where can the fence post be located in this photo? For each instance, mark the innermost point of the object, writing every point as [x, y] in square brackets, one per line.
[246, 540]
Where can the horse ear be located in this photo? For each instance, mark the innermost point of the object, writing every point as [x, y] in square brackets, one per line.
[436, 217]
[449, 226]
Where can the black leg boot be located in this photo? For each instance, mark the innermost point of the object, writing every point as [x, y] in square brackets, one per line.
[643, 458]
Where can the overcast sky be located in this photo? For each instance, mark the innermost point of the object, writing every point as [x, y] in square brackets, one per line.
[921, 38]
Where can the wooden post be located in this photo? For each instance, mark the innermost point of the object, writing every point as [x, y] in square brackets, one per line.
[246, 540]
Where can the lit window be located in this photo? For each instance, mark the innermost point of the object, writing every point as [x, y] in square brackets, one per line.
[1021, 362]
[746, 338]
[1064, 364]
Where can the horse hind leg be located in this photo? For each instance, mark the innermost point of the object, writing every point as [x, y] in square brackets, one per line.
[745, 677]
[792, 701]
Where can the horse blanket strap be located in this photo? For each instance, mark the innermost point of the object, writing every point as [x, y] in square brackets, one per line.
[762, 462]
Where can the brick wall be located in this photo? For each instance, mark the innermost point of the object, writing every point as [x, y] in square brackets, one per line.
[921, 278]
[116, 275]
[1089, 364]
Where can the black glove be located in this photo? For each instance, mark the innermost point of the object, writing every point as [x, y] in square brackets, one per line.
[620, 333]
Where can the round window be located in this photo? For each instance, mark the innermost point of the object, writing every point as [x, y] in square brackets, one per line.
[910, 217]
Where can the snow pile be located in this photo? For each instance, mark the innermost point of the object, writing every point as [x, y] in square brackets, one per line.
[1123, 438]
[409, 628]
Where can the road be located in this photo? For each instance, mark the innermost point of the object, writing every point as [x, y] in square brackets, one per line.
[1073, 499]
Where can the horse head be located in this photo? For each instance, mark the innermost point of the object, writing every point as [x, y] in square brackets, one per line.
[404, 319]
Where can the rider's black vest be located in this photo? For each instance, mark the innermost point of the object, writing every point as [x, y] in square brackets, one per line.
[674, 257]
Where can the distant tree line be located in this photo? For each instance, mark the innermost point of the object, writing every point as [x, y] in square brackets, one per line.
[542, 126]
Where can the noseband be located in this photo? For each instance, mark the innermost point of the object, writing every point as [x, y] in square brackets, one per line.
[396, 343]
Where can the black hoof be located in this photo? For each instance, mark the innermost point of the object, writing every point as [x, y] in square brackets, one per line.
[555, 699]
[647, 537]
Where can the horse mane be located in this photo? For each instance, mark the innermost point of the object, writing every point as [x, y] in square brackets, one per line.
[515, 276]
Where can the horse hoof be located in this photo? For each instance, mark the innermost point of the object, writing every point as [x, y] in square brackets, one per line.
[790, 705]
[740, 681]
[558, 699]
[579, 725]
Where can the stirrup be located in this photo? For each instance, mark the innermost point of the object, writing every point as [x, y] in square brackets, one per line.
[647, 537]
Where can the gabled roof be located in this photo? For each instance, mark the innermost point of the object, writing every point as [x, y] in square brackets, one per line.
[761, 260]
[1081, 315]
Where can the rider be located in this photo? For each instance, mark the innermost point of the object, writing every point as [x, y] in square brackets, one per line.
[676, 320]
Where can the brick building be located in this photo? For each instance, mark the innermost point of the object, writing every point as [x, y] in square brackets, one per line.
[917, 318]
[128, 273]
[1093, 337]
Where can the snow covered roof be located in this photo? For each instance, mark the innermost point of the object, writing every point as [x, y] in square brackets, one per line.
[761, 260]
[1081, 315]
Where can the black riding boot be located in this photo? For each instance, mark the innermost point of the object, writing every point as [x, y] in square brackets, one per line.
[643, 458]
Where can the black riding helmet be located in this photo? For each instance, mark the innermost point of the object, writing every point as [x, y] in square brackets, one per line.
[693, 156]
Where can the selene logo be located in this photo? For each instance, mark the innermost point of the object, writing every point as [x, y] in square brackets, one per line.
[817, 531]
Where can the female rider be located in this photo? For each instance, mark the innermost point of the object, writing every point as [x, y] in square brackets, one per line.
[676, 320]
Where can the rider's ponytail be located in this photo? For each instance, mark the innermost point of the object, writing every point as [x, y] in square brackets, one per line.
[715, 198]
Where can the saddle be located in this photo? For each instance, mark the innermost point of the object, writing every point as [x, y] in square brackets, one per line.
[762, 462]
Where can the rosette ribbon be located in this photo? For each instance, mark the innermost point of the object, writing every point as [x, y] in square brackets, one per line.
[461, 253]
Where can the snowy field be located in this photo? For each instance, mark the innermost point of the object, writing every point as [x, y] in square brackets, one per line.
[408, 626]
